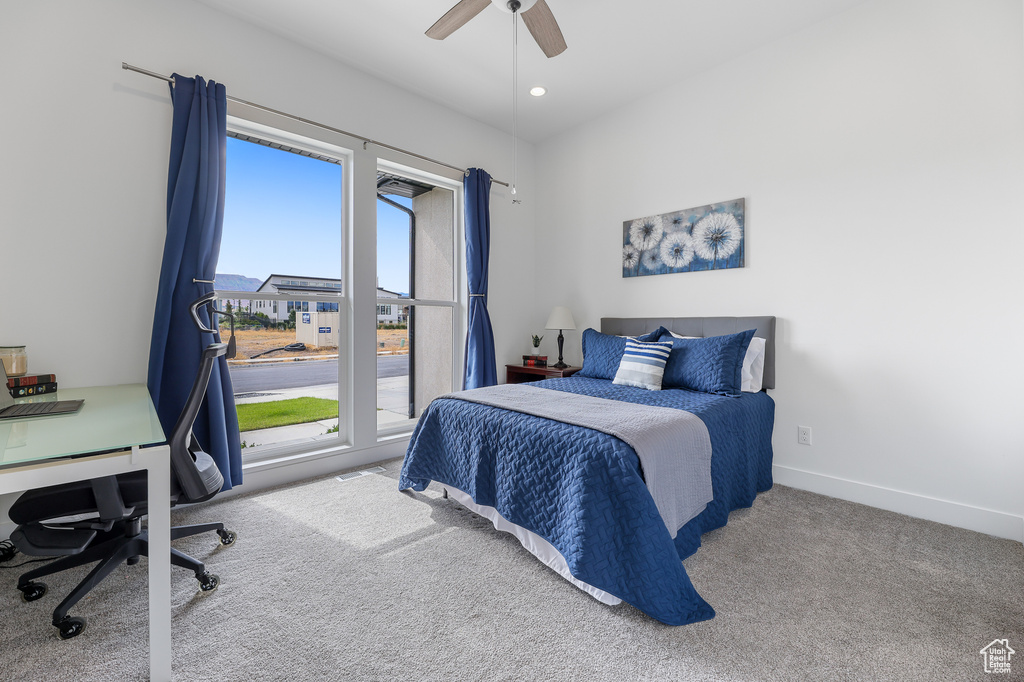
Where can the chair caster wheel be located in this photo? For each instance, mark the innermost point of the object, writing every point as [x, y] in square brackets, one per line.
[227, 537]
[71, 627]
[32, 591]
[208, 582]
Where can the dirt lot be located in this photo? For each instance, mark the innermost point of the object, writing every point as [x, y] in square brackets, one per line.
[252, 342]
[394, 340]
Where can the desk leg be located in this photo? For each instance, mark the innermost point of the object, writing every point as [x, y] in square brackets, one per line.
[159, 468]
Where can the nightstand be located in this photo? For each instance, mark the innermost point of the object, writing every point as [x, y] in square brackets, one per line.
[518, 374]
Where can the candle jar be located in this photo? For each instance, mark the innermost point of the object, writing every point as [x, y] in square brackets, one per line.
[15, 360]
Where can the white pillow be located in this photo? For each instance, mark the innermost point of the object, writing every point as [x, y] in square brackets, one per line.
[752, 374]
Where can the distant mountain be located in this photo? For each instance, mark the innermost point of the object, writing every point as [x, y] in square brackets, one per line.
[236, 283]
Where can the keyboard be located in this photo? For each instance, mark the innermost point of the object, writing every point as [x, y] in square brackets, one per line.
[29, 409]
[40, 409]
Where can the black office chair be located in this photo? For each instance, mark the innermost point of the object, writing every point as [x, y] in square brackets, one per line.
[106, 513]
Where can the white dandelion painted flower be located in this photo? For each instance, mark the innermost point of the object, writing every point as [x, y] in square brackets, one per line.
[717, 235]
[630, 257]
[681, 224]
[677, 250]
[651, 259]
[646, 232]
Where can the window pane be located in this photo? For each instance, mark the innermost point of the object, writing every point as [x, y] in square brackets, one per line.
[435, 220]
[282, 235]
[432, 348]
[282, 214]
[285, 392]
[415, 259]
[419, 245]
[414, 364]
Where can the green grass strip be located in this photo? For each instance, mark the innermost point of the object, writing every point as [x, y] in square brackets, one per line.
[266, 415]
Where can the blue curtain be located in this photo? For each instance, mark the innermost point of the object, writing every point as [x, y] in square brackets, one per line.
[195, 215]
[480, 368]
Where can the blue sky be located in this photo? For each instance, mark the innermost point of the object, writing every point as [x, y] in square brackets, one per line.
[282, 215]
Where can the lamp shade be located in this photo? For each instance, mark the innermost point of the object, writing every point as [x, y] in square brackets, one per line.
[560, 318]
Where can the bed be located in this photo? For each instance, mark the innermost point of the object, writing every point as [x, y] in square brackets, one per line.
[577, 498]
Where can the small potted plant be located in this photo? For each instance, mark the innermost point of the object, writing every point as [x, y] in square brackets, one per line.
[536, 344]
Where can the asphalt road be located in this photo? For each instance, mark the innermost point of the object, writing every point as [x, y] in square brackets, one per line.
[269, 376]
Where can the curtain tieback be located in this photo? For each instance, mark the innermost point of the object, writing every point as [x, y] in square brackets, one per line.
[480, 295]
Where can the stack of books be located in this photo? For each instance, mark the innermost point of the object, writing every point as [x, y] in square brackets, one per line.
[535, 361]
[36, 384]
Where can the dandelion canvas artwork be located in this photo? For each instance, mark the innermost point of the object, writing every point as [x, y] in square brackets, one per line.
[703, 238]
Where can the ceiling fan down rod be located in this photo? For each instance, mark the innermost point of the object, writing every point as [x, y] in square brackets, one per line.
[514, 5]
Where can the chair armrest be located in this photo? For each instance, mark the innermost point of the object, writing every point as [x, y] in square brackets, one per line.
[109, 502]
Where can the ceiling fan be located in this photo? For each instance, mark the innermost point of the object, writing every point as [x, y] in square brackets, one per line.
[536, 15]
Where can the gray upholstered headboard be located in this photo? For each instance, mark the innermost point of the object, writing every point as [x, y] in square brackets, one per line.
[702, 326]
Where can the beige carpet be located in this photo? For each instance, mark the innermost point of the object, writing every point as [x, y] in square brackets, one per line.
[353, 580]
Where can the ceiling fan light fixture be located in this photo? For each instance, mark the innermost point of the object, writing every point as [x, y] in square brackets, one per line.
[520, 5]
[538, 91]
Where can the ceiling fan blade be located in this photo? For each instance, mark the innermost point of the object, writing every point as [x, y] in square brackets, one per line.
[456, 17]
[544, 28]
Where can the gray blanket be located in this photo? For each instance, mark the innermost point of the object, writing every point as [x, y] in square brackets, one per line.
[673, 445]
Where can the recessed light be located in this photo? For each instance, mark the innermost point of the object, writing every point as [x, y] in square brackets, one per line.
[538, 91]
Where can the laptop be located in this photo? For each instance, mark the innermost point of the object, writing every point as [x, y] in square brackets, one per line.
[10, 410]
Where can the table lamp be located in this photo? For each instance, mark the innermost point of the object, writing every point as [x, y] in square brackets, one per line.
[560, 318]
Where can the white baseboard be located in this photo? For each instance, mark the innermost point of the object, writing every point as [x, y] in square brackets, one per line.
[967, 516]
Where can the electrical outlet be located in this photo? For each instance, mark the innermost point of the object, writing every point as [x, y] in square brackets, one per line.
[803, 435]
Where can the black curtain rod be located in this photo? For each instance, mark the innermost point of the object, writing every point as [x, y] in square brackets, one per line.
[365, 140]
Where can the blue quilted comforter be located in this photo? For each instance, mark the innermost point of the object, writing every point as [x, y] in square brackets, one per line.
[583, 491]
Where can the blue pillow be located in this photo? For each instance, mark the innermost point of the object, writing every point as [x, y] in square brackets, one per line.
[643, 364]
[602, 353]
[710, 365]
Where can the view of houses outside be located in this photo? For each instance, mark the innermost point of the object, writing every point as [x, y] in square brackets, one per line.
[281, 238]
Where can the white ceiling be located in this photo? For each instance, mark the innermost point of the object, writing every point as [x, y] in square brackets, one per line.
[618, 49]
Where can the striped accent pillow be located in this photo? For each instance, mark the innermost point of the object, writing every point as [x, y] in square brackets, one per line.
[643, 364]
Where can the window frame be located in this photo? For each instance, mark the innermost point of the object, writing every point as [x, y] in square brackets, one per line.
[358, 159]
[459, 302]
[302, 449]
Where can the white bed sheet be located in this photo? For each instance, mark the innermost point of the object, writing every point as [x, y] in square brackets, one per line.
[533, 543]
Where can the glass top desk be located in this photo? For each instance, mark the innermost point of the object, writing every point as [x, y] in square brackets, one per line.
[102, 439]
